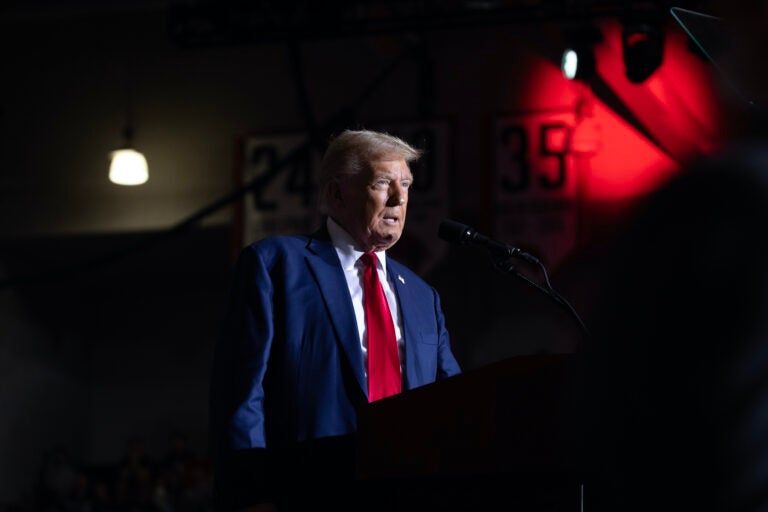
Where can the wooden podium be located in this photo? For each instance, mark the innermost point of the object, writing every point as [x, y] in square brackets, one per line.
[507, 431]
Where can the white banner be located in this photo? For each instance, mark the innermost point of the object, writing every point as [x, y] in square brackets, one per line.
[536, 185]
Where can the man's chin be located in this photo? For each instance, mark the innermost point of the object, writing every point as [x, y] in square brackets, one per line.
[383, 241]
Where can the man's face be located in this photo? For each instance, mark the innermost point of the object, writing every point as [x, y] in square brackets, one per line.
[371, 205]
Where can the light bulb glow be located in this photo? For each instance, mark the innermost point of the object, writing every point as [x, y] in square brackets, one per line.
[128, 167]
[570, 63]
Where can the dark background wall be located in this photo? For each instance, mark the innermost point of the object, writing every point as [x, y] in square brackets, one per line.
[108, 316]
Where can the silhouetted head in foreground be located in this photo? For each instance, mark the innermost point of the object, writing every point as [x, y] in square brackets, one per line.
[676, 387]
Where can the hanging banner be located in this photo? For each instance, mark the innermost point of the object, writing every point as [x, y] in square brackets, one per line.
[536, 184]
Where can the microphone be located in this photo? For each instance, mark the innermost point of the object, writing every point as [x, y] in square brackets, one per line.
[458, 233]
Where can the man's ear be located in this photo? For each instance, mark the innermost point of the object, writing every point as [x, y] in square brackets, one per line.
[334, 195]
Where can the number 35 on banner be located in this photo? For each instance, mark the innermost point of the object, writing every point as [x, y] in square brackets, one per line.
[536, 203]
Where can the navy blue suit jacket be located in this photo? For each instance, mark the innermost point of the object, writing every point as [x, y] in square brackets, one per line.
[288, 367]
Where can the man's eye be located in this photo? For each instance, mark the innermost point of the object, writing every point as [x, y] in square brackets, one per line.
[406, 184]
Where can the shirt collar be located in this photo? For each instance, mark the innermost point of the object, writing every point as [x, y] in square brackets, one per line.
[345, 247]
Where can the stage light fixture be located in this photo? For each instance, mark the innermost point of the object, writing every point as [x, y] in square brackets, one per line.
[643, 49]
[578, 62]
[570, 63]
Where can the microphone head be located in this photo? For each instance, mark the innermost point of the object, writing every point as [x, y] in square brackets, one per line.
[454, 232]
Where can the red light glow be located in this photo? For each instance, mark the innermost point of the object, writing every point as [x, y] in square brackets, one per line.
[676, 116]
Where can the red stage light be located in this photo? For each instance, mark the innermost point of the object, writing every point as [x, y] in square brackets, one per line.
[676, 113]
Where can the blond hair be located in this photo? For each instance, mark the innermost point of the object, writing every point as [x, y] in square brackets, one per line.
[352, 151]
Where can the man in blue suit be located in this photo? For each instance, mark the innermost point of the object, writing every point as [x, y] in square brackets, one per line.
[290, 368]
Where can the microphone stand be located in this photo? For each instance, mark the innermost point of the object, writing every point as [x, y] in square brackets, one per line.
[502, 260]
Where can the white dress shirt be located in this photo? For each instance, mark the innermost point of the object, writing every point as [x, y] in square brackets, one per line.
[354, 272]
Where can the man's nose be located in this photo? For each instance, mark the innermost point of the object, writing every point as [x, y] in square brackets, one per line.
[397, 195]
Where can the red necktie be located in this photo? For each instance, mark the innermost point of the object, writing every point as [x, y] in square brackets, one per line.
[383, 356]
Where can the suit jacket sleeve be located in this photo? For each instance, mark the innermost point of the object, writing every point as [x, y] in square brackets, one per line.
[237, 394]
[428, 354]
[446, 362]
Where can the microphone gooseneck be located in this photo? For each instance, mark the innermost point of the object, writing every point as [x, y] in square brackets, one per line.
[461, 234]
[458, 233]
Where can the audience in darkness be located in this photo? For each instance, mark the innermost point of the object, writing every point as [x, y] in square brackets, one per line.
[179, 481]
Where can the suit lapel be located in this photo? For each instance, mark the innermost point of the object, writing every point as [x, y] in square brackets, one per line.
[325, 267]
[408, 306]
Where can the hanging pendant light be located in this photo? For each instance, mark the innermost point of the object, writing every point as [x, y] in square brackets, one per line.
[128, 166]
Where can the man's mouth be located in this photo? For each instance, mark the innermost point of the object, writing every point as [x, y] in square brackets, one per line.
[391, 219]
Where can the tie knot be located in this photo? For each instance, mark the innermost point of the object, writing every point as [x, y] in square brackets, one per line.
[368, 259]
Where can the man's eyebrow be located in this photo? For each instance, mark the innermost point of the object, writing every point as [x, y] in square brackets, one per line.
[391, 176]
